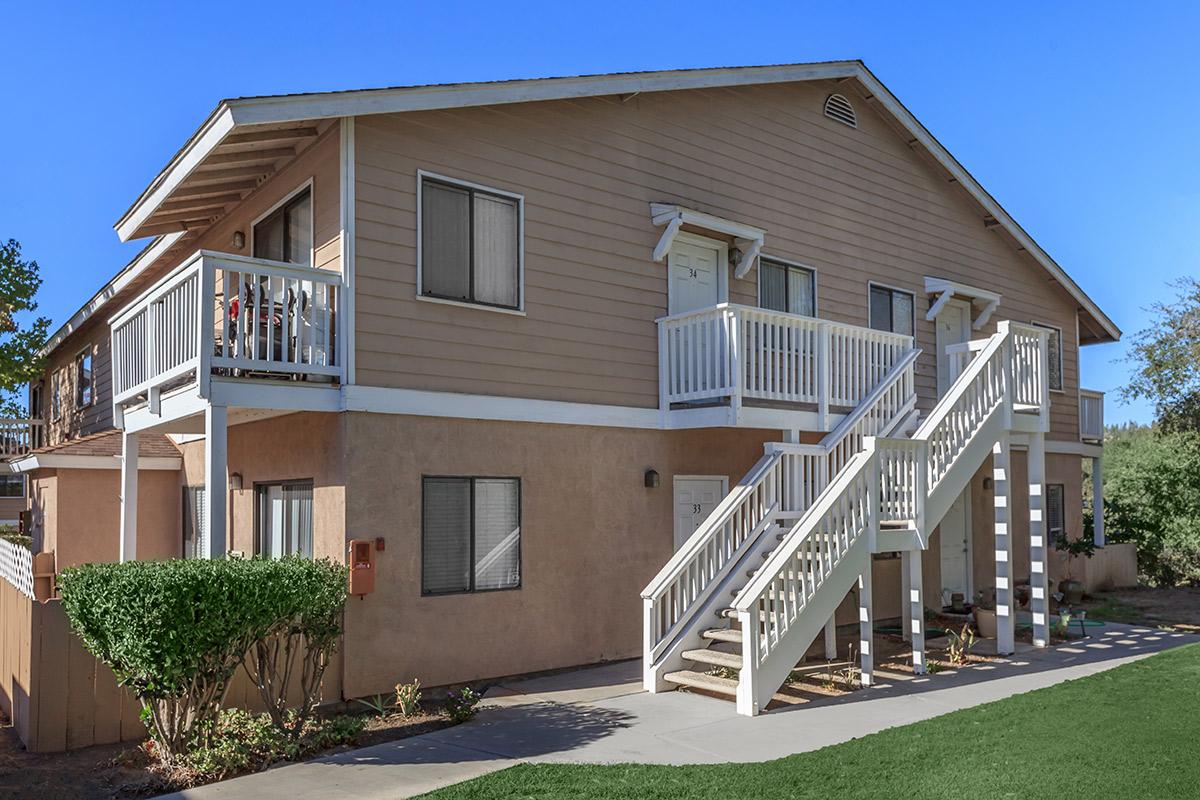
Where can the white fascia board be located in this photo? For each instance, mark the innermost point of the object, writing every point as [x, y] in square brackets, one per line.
[943, 157]
[140, 264]
[60, 461]
[421, 403]
[261, 110]
[194, 152]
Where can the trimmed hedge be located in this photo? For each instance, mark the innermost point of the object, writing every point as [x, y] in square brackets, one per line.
[176, 631]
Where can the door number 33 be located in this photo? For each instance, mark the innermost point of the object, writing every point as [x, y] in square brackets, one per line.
[696, 508]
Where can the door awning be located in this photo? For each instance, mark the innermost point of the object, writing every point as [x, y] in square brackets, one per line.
[747, 238]
[946, 289]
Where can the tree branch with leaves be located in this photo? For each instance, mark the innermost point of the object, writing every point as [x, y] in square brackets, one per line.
[22, 335]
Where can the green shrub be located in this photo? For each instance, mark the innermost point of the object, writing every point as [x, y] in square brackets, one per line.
[460, 705]
[243, 742]
[176, 631]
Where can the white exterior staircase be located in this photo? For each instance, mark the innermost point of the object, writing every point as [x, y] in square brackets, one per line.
[764, 574]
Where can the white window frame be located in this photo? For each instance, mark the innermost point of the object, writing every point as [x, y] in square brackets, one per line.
[1062, 345]
[312, 219]
[56, 388]
[877, 285]
[90, 352]
[24, 489]
[787, 262]
[479, 187]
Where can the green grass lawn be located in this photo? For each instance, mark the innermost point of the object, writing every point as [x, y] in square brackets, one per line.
[1131, 732]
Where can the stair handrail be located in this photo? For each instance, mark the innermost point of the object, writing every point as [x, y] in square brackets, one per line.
[687, 578]
[858, 514]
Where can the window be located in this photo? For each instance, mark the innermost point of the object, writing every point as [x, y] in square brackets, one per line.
[286, 233]
[1054, 345]
[12, 485]
[786, 287]
[470, 244]
[891, 310]
[284, 518]
[56, 389]
[1056, 523]
[195, 523]
[84, 394]
[470, 534]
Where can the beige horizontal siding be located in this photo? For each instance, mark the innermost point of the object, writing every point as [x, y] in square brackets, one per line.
[857, 205]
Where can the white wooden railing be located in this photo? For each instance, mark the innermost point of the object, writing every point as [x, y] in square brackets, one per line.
[1091, 415]
[739, 352]
[227, 314]
[890, 480]
[788, 478]
[19, 436]
[16, 566]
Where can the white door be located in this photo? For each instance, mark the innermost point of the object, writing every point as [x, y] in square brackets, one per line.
[695, 498]
[694, 274]
[953, 327]
[954, 532]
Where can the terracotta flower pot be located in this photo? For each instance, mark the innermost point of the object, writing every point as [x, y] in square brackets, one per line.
[985, 622]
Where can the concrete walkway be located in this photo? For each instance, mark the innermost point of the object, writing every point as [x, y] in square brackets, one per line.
[600, 715]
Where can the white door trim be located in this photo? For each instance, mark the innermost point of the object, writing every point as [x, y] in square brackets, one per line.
[969, 538]
[965, 335]
[722, 249]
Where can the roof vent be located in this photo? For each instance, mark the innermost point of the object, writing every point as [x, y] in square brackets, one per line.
[838, 108]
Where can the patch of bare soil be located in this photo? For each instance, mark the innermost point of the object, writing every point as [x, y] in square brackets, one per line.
[1174, 607]
[124, 771]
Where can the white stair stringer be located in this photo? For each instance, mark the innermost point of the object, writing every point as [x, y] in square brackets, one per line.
[681, 603]
[891, 489]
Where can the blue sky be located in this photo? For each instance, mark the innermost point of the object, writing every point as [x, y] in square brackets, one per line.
[1080, 118]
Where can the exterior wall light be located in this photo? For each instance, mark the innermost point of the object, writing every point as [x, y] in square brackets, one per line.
[239, 240]
[235, 482]
[652, 479]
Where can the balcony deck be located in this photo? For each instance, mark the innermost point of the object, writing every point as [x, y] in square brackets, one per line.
[738, 365]
[219, 325]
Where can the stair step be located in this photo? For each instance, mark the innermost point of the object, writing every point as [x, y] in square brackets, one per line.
[707, 683]
[723, 635]
[727, 613]
[717, 658]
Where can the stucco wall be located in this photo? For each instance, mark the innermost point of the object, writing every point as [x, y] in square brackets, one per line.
[592, 536]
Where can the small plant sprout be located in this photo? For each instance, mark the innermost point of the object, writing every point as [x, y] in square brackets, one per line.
[377, 704]
[408, 698]
[960, 645]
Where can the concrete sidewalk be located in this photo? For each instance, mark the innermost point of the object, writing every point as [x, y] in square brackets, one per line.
[600, 715]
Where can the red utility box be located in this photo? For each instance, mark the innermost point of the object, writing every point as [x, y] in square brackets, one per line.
[361, 556]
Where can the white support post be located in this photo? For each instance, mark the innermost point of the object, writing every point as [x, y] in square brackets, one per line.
[866, 631]
[831, 639]
[1001, 474]
[129, 495]
[1098, 501]
[734, 323]
[824, 371]
[905, 618]
[914, 609]
[1039, 547]
[216, 483]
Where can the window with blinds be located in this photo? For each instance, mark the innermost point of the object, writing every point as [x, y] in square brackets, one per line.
[470, 244]
[284, 518]
[1056, 517]
[1054, 345]
[84, 393]
[787, 287]
[195, 523]
[470, 534]
[891, 310]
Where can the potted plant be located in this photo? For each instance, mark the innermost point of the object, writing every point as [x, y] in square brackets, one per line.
[984, 611]
[1085, 546]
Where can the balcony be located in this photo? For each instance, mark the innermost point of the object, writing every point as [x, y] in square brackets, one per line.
[221, 316]
[1091, 416]
[19, 436]
[739, 365]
